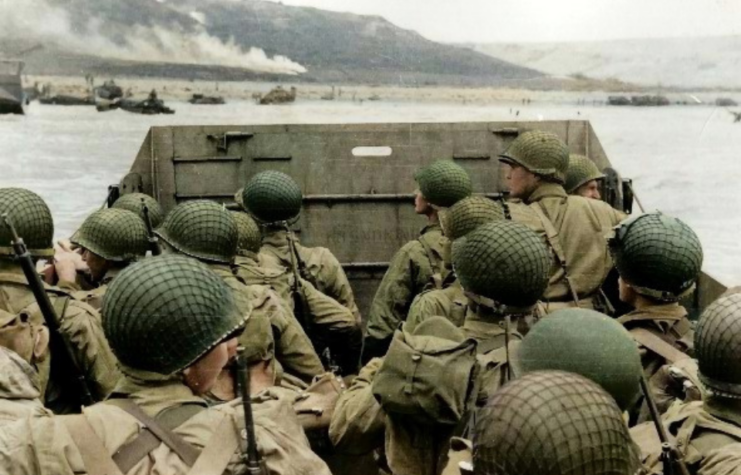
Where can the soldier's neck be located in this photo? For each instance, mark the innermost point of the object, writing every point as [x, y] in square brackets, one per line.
[432, 217]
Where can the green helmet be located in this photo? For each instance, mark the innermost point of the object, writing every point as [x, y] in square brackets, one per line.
[554, 423]
[32, 220]
[541, 153]
[659, 256]
[135, 203]
[718, 346]
[588, 343]
[470, 213]
[250, 237]
[272, 196]
[503, 261]
[443, 183]
[202, 229]
[172, 299]
[581, 171]
[113, 234]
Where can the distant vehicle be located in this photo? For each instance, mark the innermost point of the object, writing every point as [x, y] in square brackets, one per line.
[65, 100]
[152, 105]
[109, 90]
[725, 102]
[736, 116]
[279, 95]
[12, 97]
[643, 101]
[618, 101]
[200, 99]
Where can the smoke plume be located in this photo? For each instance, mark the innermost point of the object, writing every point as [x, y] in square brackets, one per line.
[37, 20]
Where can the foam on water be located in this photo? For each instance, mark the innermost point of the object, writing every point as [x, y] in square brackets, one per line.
[684, 160]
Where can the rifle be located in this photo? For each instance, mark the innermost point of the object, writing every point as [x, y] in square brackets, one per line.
[47, 310]
[154, 243]
[301, 306]
[670, 456]
[251, 457]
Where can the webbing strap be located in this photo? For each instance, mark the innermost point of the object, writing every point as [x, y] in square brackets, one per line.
[552, 236]
[150, 438]
[223, 443]
[656, 344]
[94, 455]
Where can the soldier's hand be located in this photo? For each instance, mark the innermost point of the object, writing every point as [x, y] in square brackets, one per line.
[67, 264]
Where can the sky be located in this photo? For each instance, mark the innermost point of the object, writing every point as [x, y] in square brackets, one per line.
[495, 21]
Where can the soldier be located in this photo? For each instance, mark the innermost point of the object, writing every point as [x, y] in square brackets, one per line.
[659, 259]
[135, 202]
[583, 177]
[319, 314]
[206, 231]
[157, 420]
[708, 432]
[555, 423]
[456, 222]
[274, 200]
[110, 239]
[503, 267]
[414, 266]
[79, 324]
[575, 226]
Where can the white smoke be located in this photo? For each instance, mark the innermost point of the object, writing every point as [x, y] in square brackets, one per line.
[38, 21]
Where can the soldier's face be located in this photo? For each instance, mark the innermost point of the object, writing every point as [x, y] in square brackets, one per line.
[421, 206]
[201, 376]
[589, 189]
[521, 183]
[98, 266]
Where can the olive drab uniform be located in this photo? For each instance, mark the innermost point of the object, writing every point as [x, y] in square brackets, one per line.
[450, 302]
[322, 269]
[80, 324]
[665, 337]
[326, 318]
[293, 349]
[20, 396]
[94, 296]
[150, 299]
[576, 228]
[704, 428]
[410, 272]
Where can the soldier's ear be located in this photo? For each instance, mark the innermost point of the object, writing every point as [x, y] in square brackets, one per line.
[40, 343]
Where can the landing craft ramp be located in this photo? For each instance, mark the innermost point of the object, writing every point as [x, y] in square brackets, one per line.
[357, 179]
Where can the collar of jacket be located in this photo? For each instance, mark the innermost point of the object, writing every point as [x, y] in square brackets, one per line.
[547, 190]
[154, 392]
[663, 316]
[430, 227]
[110, 275]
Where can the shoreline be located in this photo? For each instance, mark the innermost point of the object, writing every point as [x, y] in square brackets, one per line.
[182, 90]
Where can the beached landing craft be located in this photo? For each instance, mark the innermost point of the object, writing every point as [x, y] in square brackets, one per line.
[12, 97]
[357, 179]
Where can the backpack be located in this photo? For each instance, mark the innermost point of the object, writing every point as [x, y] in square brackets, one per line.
[427, 378]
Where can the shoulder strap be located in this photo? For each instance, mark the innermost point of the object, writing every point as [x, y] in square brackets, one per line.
[154, 434]
[654, 343]
[94, 455]
[555, 243]
[217, 454]
[435, 262]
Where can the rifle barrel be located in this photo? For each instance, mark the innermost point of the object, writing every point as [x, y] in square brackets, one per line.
[252, 456]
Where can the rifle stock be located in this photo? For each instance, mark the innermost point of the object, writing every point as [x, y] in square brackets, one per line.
[47, 310]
